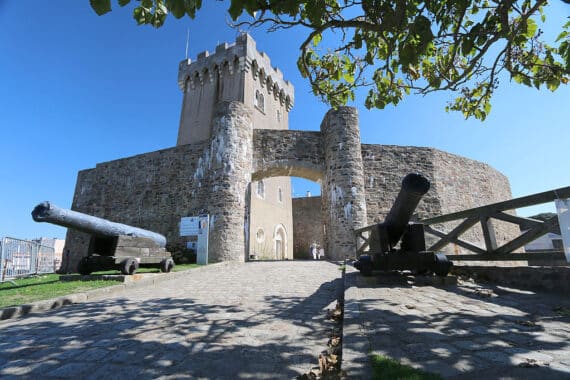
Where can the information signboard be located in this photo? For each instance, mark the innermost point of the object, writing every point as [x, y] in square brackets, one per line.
[198, 226]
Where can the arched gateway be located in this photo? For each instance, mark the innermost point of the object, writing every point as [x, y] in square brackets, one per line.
[233, 134]
[238, 154]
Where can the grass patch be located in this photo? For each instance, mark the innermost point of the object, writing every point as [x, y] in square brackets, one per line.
[43, 287]
[387, 368]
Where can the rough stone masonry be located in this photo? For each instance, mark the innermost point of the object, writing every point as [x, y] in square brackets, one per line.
[359, 182]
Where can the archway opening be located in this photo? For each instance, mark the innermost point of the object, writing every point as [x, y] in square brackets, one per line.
[308, 224]
[280, 208]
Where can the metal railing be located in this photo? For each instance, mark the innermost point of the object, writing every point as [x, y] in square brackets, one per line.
[483, 215]
[20, 258]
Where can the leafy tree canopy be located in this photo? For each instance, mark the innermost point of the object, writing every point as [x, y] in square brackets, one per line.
[395, 47]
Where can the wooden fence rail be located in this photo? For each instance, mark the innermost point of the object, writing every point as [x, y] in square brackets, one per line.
[484, 215]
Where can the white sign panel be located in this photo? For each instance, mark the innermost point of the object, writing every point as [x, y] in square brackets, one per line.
[197, 226]
[563, 210]
[190, 226]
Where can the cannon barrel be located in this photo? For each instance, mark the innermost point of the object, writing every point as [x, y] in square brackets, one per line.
[414, 187]
[383, 237]
[48, 212]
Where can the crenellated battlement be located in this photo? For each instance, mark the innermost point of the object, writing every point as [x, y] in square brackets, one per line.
[239, 57]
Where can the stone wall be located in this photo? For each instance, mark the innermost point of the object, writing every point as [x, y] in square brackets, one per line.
[465, 184]
[137, 191]
[555, 279]
[359, 183]
[307, 226]
[154, 190]
[384, 168]
[457, 183]
[288, 153]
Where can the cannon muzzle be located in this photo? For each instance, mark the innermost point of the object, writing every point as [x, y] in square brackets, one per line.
[48, 212]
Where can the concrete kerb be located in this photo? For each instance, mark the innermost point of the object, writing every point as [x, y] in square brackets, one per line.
[90, 295]
[355, 344]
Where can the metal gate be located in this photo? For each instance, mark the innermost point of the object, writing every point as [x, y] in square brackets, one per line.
[20, 258]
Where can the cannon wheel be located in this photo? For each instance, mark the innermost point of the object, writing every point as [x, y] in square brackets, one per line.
[364, 265]
[442, 265]
[366, 269]
[83, 267]
[166, 265]
[129, 266]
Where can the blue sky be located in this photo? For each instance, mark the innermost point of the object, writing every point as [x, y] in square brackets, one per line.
[77, 89]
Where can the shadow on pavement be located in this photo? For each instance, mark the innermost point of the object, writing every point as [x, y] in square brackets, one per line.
[180, 337]
[465, 330]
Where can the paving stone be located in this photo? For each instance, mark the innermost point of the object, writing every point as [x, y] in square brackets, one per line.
[482, 336]
[519, 355]
[469, 345]
[493, 342]
[562, 368]
[73, 370]
[494, 356]
[479, 330]
[519, 339]
[275, 323]
[192, 327]
[443, 368]
[16, 368]
[547, 337]
[109, 371]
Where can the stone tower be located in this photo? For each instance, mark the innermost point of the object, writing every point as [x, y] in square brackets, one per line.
[238, 72]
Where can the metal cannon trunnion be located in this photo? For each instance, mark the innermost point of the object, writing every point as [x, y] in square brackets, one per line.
[380, 241]
[112, 245]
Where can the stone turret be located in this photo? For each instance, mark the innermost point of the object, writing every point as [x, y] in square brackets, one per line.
[234, 72]
[343, 192]
[230, 171]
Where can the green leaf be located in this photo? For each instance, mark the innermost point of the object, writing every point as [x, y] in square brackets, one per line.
[176, 8]
[466, 45]
[191, 6]
[337, 74]
[317, 39]
[526, 81]
[122, 3]
[435, 82]
[101, 6]
[531, 28]
[552, 84]
[139, 14]
[236, 9]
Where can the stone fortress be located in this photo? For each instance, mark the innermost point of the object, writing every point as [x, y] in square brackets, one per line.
[224, 77]
[234, 158]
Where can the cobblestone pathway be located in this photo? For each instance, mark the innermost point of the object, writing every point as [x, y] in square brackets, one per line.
[460, 331]
[256, 320]
[267, 320]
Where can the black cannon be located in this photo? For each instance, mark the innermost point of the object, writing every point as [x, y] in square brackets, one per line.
[382, 239]
[112, 245]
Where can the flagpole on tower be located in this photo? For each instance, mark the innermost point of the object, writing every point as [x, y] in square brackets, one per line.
[187, 42]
